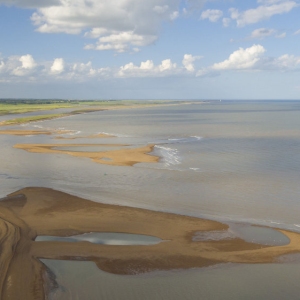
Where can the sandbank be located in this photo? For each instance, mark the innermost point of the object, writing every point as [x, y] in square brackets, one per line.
[119, 157]
[32, 212]
[92, 136]
[34, 132]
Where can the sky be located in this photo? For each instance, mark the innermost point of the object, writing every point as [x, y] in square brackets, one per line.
[150, 49]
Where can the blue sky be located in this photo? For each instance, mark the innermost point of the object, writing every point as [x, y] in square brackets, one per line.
[154, 49]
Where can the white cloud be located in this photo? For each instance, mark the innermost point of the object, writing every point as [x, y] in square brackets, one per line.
[119, 41]
[193, 5]
[286, 61]
[213, 15]
[27, 61]
[226, 22]
[27, 65]
[262, 12]
[97, 19]
[30, 3]
[58, 66]
[26, 69]
[261, 33]
[135, 22]
[297, 32]
[252, 59]
[160, 9]
[241, 59]
[174, 15]
[148, 69]
[188, 62]
[281, 35]
[166, 65]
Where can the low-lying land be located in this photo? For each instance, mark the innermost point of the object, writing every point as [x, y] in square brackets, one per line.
[8, 107]
[33, 212]
[118, 157]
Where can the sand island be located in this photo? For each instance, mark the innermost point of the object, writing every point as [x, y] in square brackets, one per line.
[32, 212]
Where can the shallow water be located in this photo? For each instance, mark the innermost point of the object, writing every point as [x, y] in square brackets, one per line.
[229, 281]
[105, 238]
[230, 161]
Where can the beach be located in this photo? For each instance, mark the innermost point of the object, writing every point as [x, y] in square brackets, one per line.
[206, 197]
[33, 212]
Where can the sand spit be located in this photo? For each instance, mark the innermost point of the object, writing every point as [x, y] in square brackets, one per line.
[119, 157]
[25, 132]
[92, 136]
[33, 212]
[35, 132]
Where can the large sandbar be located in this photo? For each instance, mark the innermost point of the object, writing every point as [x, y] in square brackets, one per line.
[32, 212]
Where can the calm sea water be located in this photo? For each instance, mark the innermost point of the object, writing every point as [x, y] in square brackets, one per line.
[230, 161]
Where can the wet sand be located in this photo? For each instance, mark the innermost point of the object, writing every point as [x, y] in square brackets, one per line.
[93, 136]
[119, 157]
[32, 212]
[33, 132]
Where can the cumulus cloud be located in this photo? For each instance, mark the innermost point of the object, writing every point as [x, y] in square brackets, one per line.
[226, 22]
[139, 21]
[24, 68]
[241, 59]
[58, 66]
[262, 12]
[119, 25]
[27, 65]
[120, 41]
[30, 3]
[286, 61]
[188, 62]
[252, 58]
[213, 15]
[148, 69]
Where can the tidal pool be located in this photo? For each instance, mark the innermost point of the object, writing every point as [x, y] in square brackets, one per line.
[105, 238]
[249, 233]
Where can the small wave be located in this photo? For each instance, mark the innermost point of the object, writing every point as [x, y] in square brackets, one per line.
[190, 139]
[114, 134]
[38, 126]
[195, 169]
[197, 137]
[296, 225]
[170, 156]
[74, 132]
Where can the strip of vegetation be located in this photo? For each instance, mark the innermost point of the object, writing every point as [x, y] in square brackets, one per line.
[32, 119]
[19, 106]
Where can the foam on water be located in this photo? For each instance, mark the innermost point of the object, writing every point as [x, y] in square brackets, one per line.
[190, 139]
[170, 156]
[114, 134]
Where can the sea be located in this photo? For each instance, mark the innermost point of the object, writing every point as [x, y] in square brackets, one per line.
[237, 162]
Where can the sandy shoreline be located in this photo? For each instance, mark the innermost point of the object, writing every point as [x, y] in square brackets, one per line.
[30, 212]
[118, 157]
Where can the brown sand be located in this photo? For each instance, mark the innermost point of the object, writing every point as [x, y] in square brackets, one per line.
[119, 157]
[25, 132]
[34, 132]
[93, 136]
[30, 212]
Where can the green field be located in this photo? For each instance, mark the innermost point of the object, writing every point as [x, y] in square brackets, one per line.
[32, 119]
[20, 106]
[24, 106]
